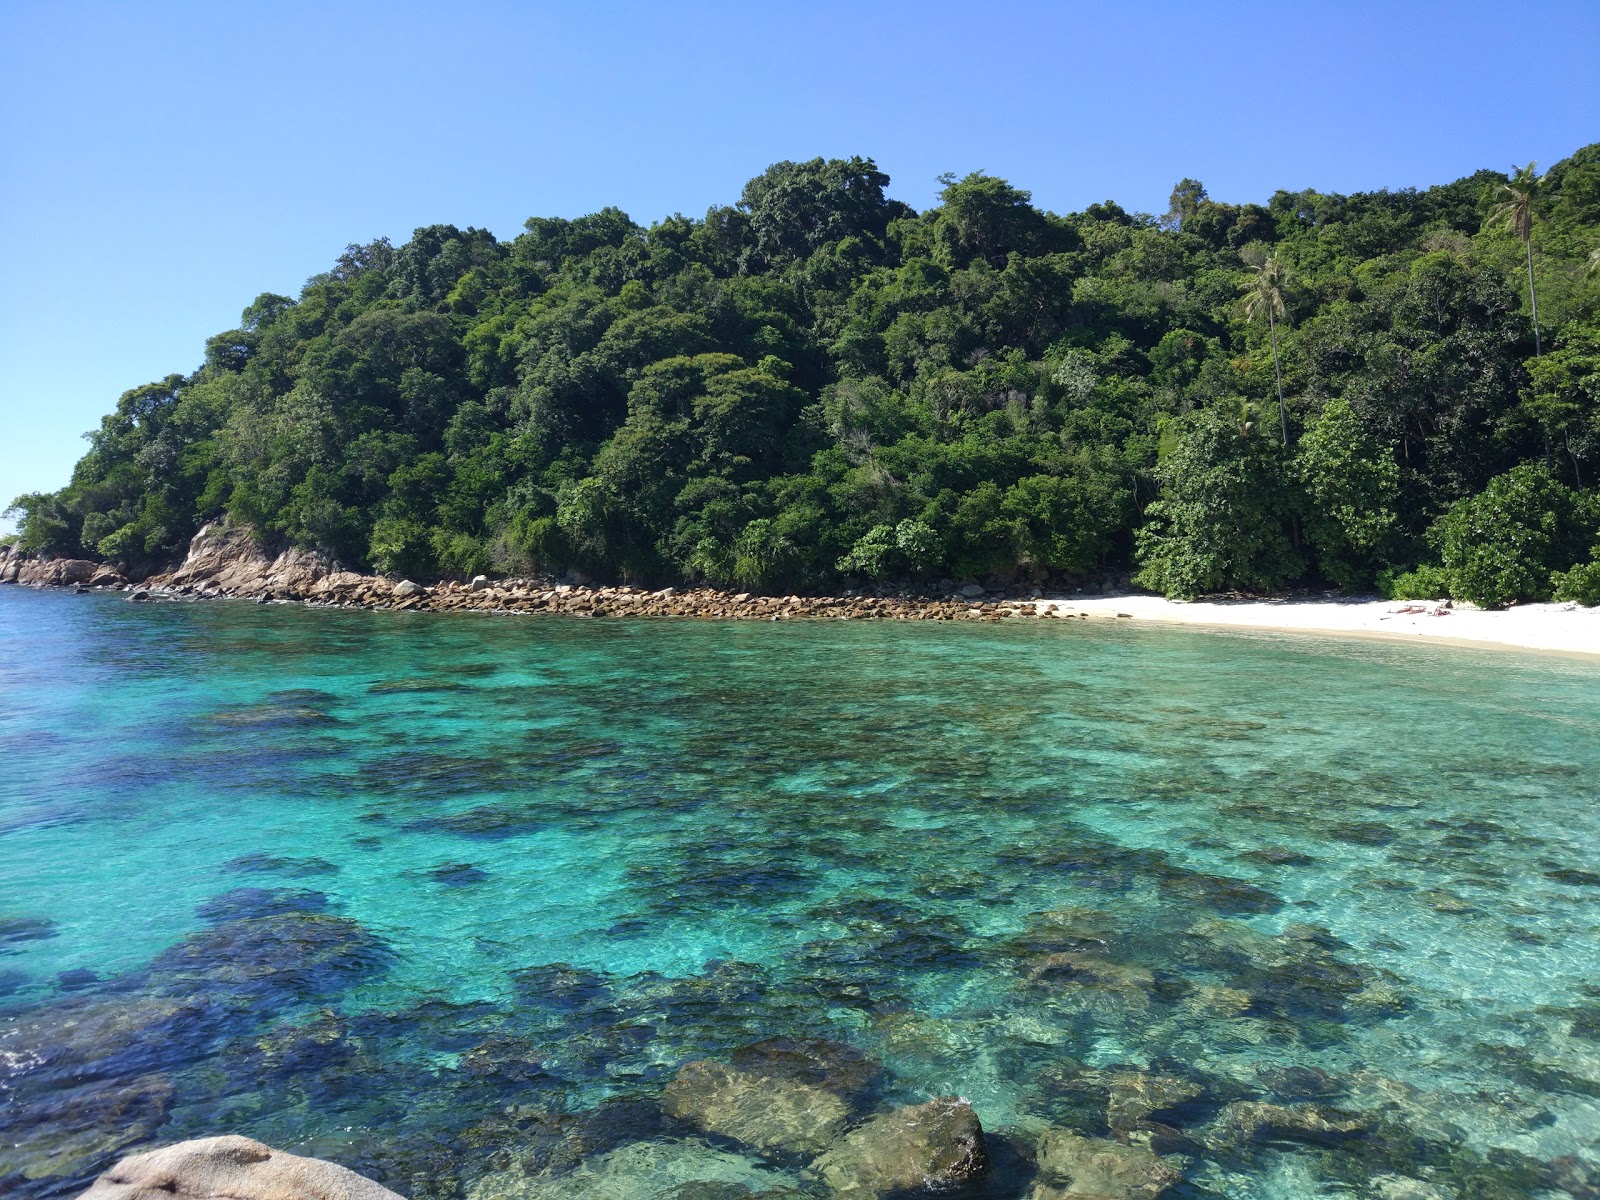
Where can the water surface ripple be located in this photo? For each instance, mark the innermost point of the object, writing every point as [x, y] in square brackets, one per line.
[451, 899]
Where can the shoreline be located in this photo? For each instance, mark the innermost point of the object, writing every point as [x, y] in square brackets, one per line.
[228, 562]
[1547, 628]
[1566, 630]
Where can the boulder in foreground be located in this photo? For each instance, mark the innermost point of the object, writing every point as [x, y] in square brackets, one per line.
[234, 1167]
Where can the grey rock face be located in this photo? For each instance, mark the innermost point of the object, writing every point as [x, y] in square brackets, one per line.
[236, 1167]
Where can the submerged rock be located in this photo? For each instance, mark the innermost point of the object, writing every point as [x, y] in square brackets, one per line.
[1403, 1187]
[76, 1132]
[237, 1168]
[922, 1148]
[261, 862]
[1072, 1167]
[768, 1113]
[1134, 1096]
[640, 1171]
[25, 929]
[490, 822]
[295, 954]
[239, 904]
[1218, 892]
[1246, 1121]
[457, 874]
[85, 1039]
[391, 686]
[818, 1062]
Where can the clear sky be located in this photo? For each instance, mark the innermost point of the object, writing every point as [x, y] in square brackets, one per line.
[163, 163]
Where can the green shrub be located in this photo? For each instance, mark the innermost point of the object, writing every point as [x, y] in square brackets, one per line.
[1425, 582]
[911, 547]
[1502, 545]
[400, 547]
[1581, 584]
[1222, 521]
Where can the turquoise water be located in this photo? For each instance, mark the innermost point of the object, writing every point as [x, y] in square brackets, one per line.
[420, 892]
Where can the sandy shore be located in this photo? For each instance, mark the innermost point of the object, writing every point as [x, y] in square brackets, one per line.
[1563, 628]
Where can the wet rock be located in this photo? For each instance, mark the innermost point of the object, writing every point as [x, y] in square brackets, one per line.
[1443, 901]
[1220, 893]
[561, 987]
[1298, 1083]
[15, 930]
[269, 715]
[1296, 975]
[768, 1113]
[76, 980]
[12, 982]
[919, 1149]
[1578, 1177]
[234, 1167]
[1245, 1121]
[74, 1133]
[491, 822]
[242, 903]
[457, 874]
[305, 1046]
[816, 1062]
[1091, 982]
[639, 1171]
[506, 1060]
[1278, 856]
[1575, 877]
[1403, 1187]
[84, 1039]
[293, 955]
[1133, 1096]
[260, 862]
[1072, 1167]
[386, 687]
[1080, 930]
[1116, 1098]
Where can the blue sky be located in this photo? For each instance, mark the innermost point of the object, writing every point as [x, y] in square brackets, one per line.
[163, 163]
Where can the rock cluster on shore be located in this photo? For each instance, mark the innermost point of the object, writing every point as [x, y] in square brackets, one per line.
[227, 562]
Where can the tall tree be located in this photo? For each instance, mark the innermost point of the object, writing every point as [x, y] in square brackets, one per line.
[1263, 297]
[1514, 209]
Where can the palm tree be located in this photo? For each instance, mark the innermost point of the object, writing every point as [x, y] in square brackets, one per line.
[1514, 209]
[1263, 296]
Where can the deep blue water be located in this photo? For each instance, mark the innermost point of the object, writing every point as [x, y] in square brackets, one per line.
[435, 896]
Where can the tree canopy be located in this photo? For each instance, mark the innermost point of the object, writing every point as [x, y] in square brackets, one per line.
[818, 383]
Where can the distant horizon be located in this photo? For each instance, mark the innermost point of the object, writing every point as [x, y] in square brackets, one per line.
[180, 161]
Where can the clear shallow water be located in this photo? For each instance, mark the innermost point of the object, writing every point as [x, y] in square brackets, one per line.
[308, 875]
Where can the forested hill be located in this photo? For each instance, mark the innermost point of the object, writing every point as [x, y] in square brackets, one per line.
[819, 384]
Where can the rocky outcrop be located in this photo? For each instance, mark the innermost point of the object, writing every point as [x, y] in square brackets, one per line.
[232, 559]
[769, 1114]
[922, 1148]
[17, 567]
[233, 1167]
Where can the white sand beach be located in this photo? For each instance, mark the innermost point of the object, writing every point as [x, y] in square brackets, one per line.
[1561, 628]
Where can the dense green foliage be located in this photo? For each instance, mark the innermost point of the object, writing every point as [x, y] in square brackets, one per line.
[819, 383]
